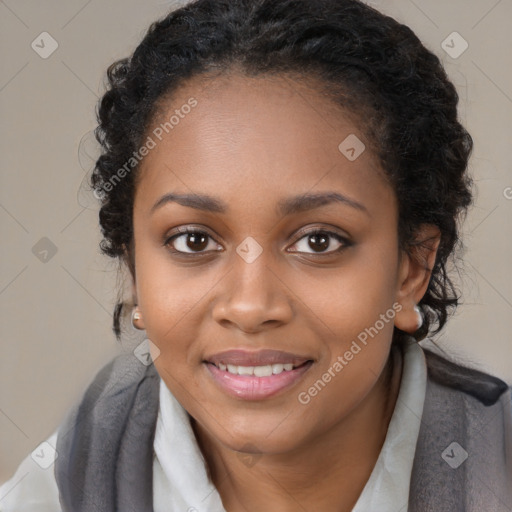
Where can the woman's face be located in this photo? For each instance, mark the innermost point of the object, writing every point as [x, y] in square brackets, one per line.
[255, 168]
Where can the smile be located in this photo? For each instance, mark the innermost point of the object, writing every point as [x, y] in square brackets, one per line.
[256, 375]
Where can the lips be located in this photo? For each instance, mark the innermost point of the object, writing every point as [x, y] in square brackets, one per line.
[256, 375]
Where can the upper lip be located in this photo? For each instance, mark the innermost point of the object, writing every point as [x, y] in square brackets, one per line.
[258, 358]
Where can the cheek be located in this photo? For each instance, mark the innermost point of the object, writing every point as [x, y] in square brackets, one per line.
[170, 297]
[360, 325]
[346, 300]
[354, 310]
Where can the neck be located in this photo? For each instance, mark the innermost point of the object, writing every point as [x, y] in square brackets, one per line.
[327, 474]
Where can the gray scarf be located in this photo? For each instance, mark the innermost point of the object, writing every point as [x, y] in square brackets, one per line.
[105, 445]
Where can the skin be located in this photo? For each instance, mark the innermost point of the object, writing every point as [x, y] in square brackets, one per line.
[251, 142]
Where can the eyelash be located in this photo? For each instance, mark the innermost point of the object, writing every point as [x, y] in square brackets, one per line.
[196, 231]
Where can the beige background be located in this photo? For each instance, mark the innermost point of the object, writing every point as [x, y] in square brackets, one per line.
[56, 315]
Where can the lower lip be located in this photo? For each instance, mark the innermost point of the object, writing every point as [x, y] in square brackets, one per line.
[249, 387]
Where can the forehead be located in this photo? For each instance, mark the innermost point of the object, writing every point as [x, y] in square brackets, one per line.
[257, 135]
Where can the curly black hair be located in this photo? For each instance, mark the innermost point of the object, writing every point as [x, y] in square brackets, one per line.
[374, 67]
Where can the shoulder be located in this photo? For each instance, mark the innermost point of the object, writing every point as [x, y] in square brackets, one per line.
[483, 387]
[110, 432]
[463, 458]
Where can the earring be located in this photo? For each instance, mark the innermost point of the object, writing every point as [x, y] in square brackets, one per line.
[420, 317]
[136, 316]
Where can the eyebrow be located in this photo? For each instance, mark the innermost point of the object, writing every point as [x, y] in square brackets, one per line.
[287, 206]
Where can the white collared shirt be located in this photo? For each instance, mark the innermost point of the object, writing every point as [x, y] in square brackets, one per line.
[180, 481]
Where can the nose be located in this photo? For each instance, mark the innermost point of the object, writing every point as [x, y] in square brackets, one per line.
[252, 297]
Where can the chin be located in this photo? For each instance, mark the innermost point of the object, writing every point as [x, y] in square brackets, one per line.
[267, 434]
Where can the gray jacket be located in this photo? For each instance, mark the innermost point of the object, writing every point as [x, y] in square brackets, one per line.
[463, 459]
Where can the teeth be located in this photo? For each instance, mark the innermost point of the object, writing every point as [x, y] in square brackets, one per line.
[277, 368]
[258, 371]
[263, 371]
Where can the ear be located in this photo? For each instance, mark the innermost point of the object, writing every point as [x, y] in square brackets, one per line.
[414, 273]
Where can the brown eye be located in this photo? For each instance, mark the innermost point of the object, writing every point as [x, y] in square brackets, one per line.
[190, 241]
[317, 242]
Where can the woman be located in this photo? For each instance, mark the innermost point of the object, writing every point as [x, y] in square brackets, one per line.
[283, 180]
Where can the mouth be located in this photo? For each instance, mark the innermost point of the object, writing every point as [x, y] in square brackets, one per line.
[256, 375]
